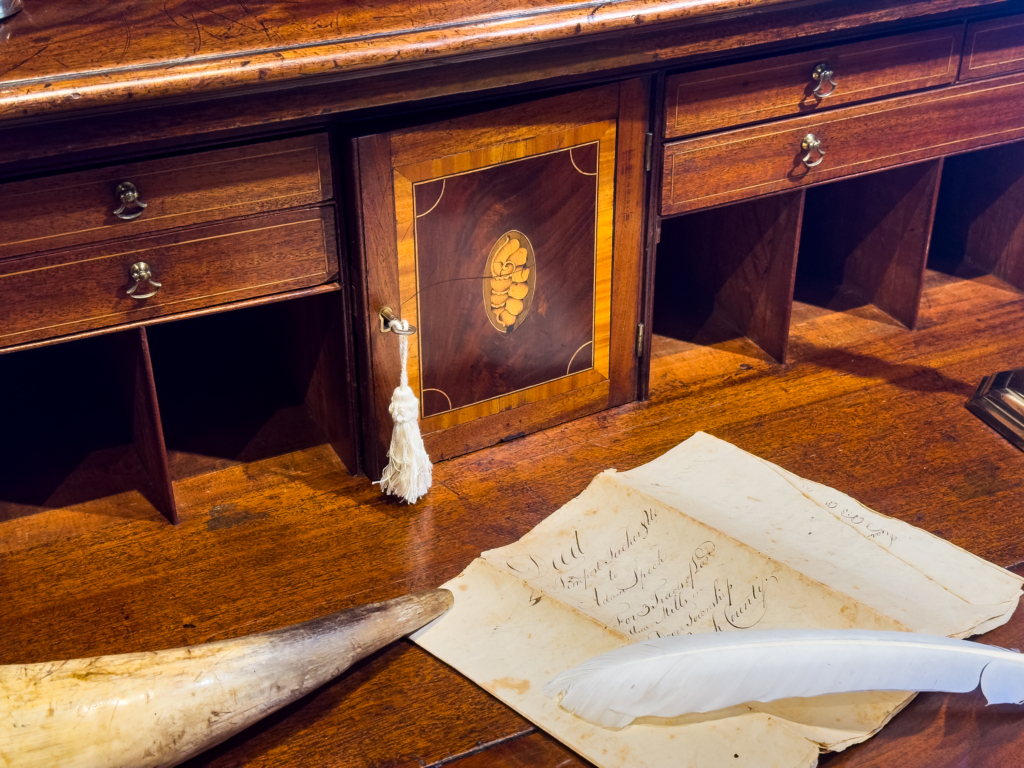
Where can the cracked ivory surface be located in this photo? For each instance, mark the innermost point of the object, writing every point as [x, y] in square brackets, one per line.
[706, 538]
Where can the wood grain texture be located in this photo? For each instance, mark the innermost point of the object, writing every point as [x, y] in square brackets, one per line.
[870, 235]
[68, 420]
[205, 311]
[863, 405]
[761, 160]
[529, 751]
[722, 97]
[993, 47]
[564, 205]
[652, 236]
[322, 366]
[374, 248]
[76, 208]
[107, 52]
[632, 209]
[730, 270]
[500, 144]
[148, 429]
[65, 292]
[979, 224]
[154, 127]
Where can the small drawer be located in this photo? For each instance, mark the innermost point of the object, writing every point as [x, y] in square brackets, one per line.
[710, 99]
[60, 293]
[749, 162]
[78, 208]
[993, 47]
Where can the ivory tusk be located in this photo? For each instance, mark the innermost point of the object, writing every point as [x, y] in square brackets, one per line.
[160, 708]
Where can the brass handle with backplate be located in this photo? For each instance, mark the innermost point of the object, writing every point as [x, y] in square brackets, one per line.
[823, 74]
[141, 273]
[128, 195]
[810, 145]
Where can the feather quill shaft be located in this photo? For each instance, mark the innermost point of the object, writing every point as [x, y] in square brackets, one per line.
[674, 676]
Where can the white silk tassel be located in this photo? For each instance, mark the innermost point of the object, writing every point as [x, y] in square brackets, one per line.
[409, 472]
[675, 676]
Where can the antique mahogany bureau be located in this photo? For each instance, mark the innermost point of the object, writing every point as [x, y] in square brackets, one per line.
[204, 208]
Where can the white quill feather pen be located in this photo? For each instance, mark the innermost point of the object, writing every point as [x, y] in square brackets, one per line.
[701, 673]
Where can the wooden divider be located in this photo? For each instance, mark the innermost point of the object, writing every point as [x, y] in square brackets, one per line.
[979, 223]
[729, 271]
[78, 435]
[869, 236]
[148, 430]
[233, 387]
[322, 367]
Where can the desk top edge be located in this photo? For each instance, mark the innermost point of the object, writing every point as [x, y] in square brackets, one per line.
[63, 57]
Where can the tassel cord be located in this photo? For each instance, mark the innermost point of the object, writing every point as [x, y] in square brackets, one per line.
[409, 473]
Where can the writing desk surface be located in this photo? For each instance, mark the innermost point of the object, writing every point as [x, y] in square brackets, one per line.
[865, 406]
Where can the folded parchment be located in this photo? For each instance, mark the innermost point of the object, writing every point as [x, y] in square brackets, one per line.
[707, 538]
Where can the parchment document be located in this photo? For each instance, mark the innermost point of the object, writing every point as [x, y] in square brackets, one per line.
[706, 538]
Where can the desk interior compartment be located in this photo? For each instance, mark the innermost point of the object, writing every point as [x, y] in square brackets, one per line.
[865, 241]
[255, 383]
[728, 272]
[79, 424]
[979, 223]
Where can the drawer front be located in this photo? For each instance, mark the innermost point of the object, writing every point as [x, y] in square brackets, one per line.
[757, 161]
[993, 47]
[698, 102]
[77, 208]
[61, 293]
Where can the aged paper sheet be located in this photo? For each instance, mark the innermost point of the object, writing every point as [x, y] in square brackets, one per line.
[706, 538]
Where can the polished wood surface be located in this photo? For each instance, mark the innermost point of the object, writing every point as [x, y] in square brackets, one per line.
[267, 543]
[249, 412]
[479, 386]
[76, 208]
[993, 47]
[730, 270]
[980, 219]
[762, 160]
[556, 191]
[148, 428]
[64, 292]
[205, 311]
[66, 54]
[870, 235]
[30, 142]
[733, 95]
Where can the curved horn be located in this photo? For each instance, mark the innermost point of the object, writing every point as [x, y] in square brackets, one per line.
[160, 708]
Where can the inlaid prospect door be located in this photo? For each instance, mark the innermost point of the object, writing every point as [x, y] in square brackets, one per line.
[512, 241]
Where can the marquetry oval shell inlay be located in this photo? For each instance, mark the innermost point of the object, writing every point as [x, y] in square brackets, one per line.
[510, 281]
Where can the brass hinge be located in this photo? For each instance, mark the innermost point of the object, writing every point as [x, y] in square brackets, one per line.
[657, 231]
[640, 340]
[648, 151]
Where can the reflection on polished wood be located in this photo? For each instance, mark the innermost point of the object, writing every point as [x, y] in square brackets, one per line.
[863, 405]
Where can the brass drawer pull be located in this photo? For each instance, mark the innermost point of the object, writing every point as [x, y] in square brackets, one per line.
[823, 74]
[387, 316]
[141, 273]
[810, 145]
[128, 195]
